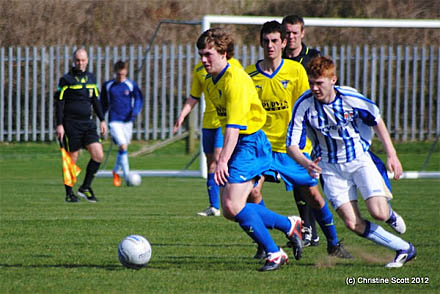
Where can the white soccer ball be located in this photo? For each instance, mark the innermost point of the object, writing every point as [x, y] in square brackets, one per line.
[134, 179]
[134, 251]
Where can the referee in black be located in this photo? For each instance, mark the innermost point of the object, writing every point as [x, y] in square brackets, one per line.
[77, 93]
[293, 27]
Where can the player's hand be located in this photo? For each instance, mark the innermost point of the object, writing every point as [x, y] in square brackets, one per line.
[177, 125]
[60, 132]
[103, 128]
[313, 168]
[221, 174]
[394, 165]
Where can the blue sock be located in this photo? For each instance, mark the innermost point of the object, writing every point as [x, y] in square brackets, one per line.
[262, 203]
[117, 162]
[378, 235]
[213, 191]
[324, 217]
[124, 163]
[272, 220]
[252, 224]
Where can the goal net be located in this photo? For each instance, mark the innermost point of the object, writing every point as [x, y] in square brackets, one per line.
[209, 20]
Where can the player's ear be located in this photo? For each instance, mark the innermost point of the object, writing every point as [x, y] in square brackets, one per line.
[334, 79]
[284, 43]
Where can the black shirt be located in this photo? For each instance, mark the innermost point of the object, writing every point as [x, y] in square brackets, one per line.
[77, 92]
[304, 56]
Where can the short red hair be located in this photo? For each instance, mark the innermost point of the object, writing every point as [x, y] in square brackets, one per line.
[321, 66]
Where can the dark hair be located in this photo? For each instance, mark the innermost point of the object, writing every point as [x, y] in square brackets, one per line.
[217, 38]
[293, 19]
[271, 27]
[120, 65]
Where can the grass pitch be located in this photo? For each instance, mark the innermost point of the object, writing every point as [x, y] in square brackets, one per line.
[49, 246]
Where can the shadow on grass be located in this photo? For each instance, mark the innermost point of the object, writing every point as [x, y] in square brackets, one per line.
[67, 266]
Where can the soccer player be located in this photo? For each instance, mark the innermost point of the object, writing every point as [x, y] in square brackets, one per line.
[279, 83]
[212, 137]
[246, 152]
[338, 122]
[293, 26]
[77, 92]
[123, 99]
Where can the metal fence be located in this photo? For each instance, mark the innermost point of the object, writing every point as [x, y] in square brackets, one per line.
[404, 81]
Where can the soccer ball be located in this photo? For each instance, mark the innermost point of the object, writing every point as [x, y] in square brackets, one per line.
[134, 251]
[134, 179]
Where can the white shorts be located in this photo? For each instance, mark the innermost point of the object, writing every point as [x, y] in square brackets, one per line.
[121, 132]
[340, 180]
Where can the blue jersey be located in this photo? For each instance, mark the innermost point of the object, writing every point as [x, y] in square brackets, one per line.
[123, 100]
[340, 131]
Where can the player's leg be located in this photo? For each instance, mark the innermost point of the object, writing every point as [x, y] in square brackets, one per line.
[306, 215]
[72, 143]
[252, 156]
[91, 142]
[351, 216]
[212, 142]
[127, 129]
[394, 220]
[256, 195]
[235, 208]
[121, 135]
[324, 217]
[365, 177]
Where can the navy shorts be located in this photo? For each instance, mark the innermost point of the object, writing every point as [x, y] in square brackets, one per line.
[79, 134]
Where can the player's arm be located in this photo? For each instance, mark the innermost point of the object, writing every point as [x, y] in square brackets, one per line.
[104, 99]
[312, 166]
[138, 101]
[296, 137]
[59, 108]
[230, 141]
[98, 110]
[195, 94]
[393, 162]
[189, 105]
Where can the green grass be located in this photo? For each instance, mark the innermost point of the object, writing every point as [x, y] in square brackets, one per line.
[48, 246]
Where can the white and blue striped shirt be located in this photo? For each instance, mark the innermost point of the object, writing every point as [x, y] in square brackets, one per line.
[340, 131]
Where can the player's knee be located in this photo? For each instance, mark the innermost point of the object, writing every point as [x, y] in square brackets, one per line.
[352, 225]
[316, 200]
[255, 196]
[228, 212]
[380, 215]
[98, 155]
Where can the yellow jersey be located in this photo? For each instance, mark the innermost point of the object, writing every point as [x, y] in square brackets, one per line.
[210, 119]
[235, 99]
[278, 93]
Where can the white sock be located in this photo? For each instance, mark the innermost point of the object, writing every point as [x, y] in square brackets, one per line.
[124, 164]
[380, 236]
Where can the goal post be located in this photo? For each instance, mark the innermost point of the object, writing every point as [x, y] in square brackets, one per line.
[208, 20]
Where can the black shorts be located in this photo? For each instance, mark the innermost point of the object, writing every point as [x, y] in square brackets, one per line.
[79, 134]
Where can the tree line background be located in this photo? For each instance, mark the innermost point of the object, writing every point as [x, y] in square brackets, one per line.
[132, 22]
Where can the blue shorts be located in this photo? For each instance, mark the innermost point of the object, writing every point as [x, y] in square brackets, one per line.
[289, 170]
[251, 157]
[211, 139]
